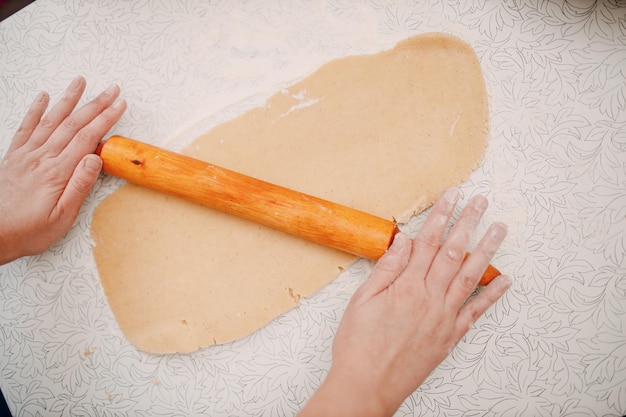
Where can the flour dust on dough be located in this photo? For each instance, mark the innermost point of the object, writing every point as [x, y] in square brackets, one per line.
[383, 133]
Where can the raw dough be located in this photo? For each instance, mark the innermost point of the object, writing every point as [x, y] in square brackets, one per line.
[383, 133]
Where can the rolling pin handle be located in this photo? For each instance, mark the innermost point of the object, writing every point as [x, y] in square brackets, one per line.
[489, 275]
[99, 148]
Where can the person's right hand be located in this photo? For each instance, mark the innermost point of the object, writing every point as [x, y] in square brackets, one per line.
[50, 168]
[410, 313]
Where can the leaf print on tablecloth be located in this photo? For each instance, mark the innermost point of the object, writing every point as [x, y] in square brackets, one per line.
[533, 23]
[59, 296]
[400, 20]
[540, 310]
[601, 73]
[562, 123]
[573, 407]
[541, 51]
[550, 337]
[490, 19]
[595, 19]
[567, 374]
[34, 396]
[536, 264]
[522, 393]
[561, 233]
[615, 398]
[560, 84]
[610, 101]
[604, 223]
[486, 354]
[110, 402]
[600, 152]
[520, 111]
[544, 192]
[184, 400]
[433, 396]
[576, 302]
[75, 372]
[604, 365]
[611, 306]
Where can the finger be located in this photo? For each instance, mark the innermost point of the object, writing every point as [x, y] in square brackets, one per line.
[69, 128]
[473, 268]
[450, 256]
[30, 121]
[478, 305]
[58, 113]
[82, 180]
[86, 139]
[428, 240]
[389, 266]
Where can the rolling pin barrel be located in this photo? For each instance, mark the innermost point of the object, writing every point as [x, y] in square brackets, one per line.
[298, 214]
[301, 215]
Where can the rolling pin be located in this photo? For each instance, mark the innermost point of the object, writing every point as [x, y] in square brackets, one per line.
[298, 214]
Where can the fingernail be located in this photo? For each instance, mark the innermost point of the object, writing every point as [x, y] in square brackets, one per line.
[451, 195]
[76, 83]
[400, 250]
[111, 89]
[498, 231]
[400, 247]
[400, 241]
[480, 202]
[93, 165]
[503, 282]
[118, 103]
[41, 97]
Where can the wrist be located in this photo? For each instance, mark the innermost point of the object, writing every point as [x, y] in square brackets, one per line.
[343, 394]
[8, 247]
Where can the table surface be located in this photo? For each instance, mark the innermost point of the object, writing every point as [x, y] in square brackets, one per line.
[555, 171]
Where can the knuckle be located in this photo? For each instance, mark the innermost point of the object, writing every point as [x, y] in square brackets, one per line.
[384, 266]
[81, 185]
[429, 239]
[83, 136]
[453, 254]
[108, 119]
[23, 128]
[52, 173]
[467, 282]
[34, 164]
[51, 176]
[70, 123]
[485, 251]
[46, 122]
[472, 310]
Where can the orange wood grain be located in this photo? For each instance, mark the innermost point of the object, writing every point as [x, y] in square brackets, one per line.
[290, 211]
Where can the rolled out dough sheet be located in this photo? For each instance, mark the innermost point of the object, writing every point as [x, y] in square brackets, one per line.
[383, 133]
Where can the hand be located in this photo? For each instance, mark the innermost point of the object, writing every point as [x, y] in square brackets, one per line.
[50, 168]
[410, 313]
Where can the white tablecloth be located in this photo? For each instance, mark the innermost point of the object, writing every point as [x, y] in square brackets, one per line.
[555, 171]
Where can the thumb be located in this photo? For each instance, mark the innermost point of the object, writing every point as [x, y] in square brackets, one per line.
[80, 183]
[390, 265]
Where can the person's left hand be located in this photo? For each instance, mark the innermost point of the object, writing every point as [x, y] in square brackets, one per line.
[50, 168]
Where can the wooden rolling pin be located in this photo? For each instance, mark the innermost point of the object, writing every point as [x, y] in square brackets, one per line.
[301, 215]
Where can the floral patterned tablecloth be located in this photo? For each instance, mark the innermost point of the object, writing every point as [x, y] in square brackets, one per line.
[555, 171]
